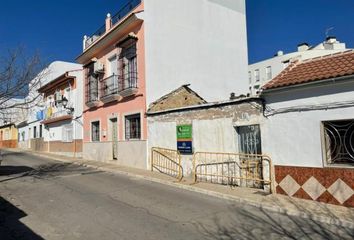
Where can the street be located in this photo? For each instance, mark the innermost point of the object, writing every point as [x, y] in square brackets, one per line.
[45, 199]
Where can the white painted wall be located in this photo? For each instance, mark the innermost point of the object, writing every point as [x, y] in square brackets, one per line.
[200, 42]
[214, 135]
[54, 70]
[294, 138]
[277, 66]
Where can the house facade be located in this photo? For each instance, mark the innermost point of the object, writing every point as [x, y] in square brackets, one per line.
[260, 73]
[309, 110]
[62, 114]
[8, 136]
[33, 133]
[146, 50]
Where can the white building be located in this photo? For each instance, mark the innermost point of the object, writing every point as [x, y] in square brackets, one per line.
[261, 72]
[309, 128]
[32, 132]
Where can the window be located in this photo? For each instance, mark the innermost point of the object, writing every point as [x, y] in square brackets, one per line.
[249, 139]
[40, 131]
[91, 84]
[132, 127]
[250, 77]
[339, 142]
[113, 65]
[256, 75]
[67, 133]
[23, 134]
[128, 73]
[95, 131]
[34, 132]
[269, 72]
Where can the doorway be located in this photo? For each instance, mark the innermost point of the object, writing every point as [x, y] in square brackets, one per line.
[250, 148]
[114, 132]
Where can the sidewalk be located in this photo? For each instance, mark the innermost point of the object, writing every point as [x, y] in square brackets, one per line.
[316, 211]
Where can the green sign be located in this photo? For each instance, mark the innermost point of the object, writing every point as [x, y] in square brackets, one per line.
[184, 132]
[184, 139]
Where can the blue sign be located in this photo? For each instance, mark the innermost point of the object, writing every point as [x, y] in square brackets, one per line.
[185, 147]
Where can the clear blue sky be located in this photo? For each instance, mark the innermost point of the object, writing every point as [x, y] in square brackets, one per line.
[56, 28]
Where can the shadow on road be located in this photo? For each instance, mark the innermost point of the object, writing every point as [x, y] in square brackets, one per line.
[42, 171]
[12, 170]
[11, 228]
[243, 223]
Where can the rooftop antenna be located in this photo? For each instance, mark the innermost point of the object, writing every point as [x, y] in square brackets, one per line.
[328, 30]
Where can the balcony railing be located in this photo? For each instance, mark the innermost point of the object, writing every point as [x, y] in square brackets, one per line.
[60, 113]
[117, 86]
[123, 12]
[109, 86]
[128, 80]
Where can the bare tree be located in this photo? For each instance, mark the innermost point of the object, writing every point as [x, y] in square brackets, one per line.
[20, 77]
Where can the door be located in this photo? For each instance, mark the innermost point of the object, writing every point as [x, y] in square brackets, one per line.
[114, 131]
[251, 162]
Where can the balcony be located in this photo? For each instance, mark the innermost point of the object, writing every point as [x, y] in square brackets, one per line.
[122, 13]
[110, 90]
[58, 116]
[128, 84]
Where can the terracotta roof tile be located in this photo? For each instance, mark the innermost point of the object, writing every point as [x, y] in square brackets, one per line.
[320, 68]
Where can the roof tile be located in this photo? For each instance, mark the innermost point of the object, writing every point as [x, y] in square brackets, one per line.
[320, 68]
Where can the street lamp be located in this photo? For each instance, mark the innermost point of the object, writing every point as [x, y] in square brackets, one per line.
[65, 101]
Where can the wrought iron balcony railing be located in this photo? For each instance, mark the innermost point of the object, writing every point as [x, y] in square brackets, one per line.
[123, 12]
[109, 86]
[117, 86]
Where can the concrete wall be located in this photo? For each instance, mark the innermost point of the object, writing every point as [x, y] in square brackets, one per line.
[201, 42]
[98, 151]
[130, 153]
[294, 138]
[133, 154]
[214, 128]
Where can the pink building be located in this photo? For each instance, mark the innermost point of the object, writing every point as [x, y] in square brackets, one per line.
[149, 48]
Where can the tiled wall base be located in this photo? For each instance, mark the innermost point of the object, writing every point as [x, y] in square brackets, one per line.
[329, 185]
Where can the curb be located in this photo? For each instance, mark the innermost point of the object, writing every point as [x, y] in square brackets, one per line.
[277, 209]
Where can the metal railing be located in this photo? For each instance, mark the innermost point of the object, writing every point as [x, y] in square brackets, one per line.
[109, 86]
[93, 38]
[128, 80]
[59, 114]
[167, 161]
[123, 12]
[234, 169]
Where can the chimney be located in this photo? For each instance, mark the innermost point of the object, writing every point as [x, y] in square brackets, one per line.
[108, 22]
[280, 53]
[331, 39]
[302, 47]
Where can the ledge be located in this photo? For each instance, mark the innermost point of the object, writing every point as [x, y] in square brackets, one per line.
[57, 119]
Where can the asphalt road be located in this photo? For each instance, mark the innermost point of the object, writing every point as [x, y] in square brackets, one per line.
[46, 199]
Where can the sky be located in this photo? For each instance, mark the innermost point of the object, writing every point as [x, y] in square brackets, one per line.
[55, 28]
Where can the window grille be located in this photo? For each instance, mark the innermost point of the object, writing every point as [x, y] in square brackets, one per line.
[95, 131]
[132, 127]
[339, 142]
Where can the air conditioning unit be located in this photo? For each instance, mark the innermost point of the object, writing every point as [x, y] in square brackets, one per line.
[98, 67]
